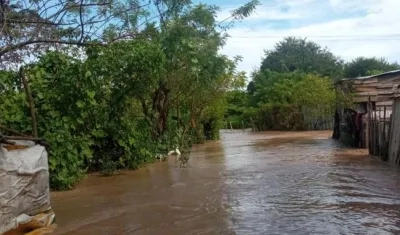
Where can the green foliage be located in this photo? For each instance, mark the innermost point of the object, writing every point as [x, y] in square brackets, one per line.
[314, 90]
[246, 10]
[281, 97]
[279, 100]
[296, 54]
[362, 66]
[237, 105]
[291, 88]
[280, 117]
[119, 106]
[108, 167]
[67, 155]
[13, 106]
[294, 83]
[373, 72]
[212, 119]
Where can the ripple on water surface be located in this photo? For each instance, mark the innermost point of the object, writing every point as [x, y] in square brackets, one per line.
[247, 183]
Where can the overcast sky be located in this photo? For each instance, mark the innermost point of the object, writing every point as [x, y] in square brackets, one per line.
[349, 28]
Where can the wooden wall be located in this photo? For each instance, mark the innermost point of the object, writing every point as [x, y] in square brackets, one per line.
[379, 88]
[394, 143]
[379, 127]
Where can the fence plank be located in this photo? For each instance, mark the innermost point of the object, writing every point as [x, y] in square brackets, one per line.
[368, 132]
[383, 145]
[374, 132]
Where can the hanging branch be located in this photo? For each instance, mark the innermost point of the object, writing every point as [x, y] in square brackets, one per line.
[30, 102]
[21, 138]
[11, 130]
[29, 28]
[9, 140]
[4, 141]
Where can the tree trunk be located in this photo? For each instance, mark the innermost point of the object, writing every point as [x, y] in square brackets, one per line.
[31, 103]
[160, 107]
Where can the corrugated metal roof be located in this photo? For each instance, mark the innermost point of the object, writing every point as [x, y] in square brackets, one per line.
[377, 75]
[373, 76]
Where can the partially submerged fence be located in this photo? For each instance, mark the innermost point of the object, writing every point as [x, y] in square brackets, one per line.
[394, 138]
[318, 118]
[293, 117]
[384, 131]
[379, 126]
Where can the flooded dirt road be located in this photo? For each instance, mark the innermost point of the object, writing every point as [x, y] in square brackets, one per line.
[247, 183]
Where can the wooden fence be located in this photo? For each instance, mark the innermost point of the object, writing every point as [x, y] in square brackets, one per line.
[292, 117]
[379, 129]
[318, 118]
[394, 138]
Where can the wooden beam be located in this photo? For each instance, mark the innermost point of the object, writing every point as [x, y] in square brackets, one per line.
[11, 130]
[21, 138]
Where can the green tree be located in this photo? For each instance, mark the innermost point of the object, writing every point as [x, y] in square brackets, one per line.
[28, 28]
[279, 98]
[119, 105]
[363, 66]
[237, 104]
[293, 54]
[291, 88]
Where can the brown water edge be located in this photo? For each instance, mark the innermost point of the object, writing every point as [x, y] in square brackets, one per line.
[247, 183]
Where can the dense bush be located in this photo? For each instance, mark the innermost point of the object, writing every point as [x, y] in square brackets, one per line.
[117, 107]
[281, 101]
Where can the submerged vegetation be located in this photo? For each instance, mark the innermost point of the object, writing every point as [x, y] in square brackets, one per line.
[117, 102]
[293, 88]
[117, 84]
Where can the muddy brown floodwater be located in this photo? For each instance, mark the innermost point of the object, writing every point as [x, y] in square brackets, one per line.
[247, 183]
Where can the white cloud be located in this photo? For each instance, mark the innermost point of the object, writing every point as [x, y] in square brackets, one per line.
[275, 10]
[353, 5]
[373, 24]
[262, 14]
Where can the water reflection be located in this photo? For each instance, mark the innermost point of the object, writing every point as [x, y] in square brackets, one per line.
[247, 183]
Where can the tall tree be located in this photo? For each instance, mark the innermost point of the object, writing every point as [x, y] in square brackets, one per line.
[293, 54]
[28, 27]
[363, 66]
[122, 103]
[196, 75]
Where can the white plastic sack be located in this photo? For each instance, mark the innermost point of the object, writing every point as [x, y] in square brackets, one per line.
[24, 184]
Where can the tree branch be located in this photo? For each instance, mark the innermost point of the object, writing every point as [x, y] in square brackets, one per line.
[81, 19]
[11, 130]
[30, 101]
[7, 49]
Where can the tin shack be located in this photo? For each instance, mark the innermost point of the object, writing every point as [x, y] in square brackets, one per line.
[361, 100]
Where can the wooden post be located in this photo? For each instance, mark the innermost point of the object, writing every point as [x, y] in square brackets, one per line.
[243, 125]
[30, 102]
[368, 125]
[374, 134]
[378, 132]
[230, 123]
[389, 135]
[383, 140]
[325, 119]
[377, 119]
[394, 147]
[390, 132]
